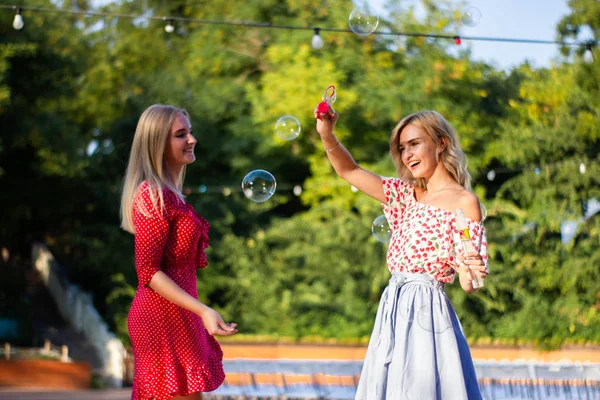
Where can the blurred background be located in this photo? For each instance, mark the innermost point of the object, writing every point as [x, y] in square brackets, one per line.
[302, 268]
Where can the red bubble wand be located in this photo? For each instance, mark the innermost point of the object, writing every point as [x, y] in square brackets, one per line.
[328, 99]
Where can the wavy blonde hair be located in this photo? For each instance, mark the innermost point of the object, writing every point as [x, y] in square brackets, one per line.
[146, 162]
[442, 133]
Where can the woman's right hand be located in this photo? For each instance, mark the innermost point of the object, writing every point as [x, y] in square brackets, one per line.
[327, 121]
[214, 324]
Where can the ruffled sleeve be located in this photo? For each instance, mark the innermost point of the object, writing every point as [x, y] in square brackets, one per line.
[201, 260]
[478, 241]
[151, 233]
[397, 194]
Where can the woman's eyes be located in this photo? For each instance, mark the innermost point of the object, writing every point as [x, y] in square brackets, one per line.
[413, 144]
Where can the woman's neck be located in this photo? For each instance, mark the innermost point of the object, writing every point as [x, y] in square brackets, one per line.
[439, 180]
[173, 175]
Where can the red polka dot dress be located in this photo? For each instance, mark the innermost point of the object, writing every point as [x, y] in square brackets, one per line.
[173, 353]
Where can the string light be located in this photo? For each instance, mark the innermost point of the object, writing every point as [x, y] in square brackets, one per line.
[18, 22]
[588, 54]
[297, 189]
[537, 169]
[457, 39]
[227, 190]
[169, 28]
[317, 42]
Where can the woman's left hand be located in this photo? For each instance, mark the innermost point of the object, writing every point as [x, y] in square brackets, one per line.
[215, 325]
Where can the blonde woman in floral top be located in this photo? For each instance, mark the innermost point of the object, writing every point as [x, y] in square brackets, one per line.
[418, 349]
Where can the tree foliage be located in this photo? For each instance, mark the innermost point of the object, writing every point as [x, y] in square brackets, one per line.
[71, 90]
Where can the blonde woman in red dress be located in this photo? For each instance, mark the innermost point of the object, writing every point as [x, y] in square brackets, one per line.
[172, 333]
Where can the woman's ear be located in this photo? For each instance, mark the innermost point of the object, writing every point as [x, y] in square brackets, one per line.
[442, 145]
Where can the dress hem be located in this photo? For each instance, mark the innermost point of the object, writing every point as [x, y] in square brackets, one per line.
[195, 376]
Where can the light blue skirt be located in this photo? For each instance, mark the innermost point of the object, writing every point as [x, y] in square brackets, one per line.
[417, 349]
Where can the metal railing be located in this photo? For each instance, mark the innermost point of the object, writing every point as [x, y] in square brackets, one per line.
[318, 379]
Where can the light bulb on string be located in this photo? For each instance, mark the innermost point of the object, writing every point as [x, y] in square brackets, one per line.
[169, 28]
[457, 40]
[582, 168]
[18, 22]
[491, 175]
[317, 40]
[588, 54]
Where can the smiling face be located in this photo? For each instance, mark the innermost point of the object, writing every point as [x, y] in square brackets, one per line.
[436, 149]
[418, 151]
[179, 149]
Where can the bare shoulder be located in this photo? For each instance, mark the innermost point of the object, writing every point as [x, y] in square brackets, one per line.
[469, 202]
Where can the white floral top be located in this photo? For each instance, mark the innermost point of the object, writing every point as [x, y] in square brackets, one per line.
[425, 238]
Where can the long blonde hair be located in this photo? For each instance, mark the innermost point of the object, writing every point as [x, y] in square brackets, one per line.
[440, 130]
[146, 162]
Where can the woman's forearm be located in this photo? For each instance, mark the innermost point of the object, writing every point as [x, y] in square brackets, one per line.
[341, 160]
[164, 286]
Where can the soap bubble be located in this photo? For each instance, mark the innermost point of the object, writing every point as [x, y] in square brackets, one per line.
[288, 127]
[259, 185]
[363, 21]
[433, 317]
[381, 229]
[471, 16]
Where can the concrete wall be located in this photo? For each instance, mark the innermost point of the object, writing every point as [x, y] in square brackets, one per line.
[78, 309]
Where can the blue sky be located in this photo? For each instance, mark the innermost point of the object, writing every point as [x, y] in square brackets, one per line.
[528, 19]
